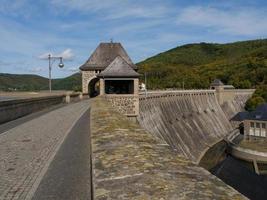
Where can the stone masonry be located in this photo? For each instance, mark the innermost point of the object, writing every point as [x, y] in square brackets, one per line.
[125, 104]
[87, 76]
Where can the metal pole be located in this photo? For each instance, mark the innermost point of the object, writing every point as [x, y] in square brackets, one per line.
[50, 85]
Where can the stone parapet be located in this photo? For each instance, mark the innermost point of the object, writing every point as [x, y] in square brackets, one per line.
[129, 163]
[126, 104]
[13, 109]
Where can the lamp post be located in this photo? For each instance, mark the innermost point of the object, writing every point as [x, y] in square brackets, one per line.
[51, 60]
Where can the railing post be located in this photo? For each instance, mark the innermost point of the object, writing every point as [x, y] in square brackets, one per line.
[81, 96]
[67, 98]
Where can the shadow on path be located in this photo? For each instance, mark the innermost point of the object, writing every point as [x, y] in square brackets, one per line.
[68, 176]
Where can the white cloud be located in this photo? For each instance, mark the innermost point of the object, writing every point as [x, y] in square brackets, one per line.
[66, 55]
[44, 56]
[241, 21]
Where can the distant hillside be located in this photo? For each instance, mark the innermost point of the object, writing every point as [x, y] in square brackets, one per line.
[243, 64]
[9, 82]
[73, 82]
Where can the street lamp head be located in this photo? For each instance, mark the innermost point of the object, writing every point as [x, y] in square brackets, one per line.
[61, 63]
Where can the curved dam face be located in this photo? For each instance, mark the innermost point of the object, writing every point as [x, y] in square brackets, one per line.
[189, 121]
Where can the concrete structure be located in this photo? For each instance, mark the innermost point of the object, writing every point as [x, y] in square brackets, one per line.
[230, 99]
[129, 163]
[190, 121]
[253, 155]
[217, 84]
[13, 109]
[255, 122]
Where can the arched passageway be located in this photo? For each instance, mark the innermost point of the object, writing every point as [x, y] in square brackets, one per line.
[93, 87]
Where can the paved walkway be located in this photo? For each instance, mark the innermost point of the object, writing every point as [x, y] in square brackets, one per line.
[26, 151]
[68, 176]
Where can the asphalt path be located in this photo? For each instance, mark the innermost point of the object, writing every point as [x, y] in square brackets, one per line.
[68, 176]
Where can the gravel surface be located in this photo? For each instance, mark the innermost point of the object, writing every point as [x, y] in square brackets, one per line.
[27, 150]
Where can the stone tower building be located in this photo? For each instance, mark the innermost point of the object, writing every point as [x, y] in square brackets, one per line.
[104, 54]
[109, 72]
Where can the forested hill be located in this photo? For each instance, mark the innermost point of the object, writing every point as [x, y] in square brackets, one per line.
[242, 64]
[10, 82]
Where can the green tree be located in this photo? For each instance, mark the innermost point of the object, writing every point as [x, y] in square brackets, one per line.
[253, 102]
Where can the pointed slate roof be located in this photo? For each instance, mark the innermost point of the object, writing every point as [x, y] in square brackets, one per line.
[119, 68]
[217, 82]
[104, 54]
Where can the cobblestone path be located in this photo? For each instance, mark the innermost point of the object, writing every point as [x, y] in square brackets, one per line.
[27, 150]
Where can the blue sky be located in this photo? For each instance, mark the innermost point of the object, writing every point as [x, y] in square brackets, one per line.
[30, 29]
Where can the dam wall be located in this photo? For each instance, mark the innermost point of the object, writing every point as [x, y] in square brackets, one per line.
[233, 101]
[189, 121]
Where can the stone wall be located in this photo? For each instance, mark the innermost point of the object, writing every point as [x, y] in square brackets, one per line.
[10, 110]
[129, 163]
[13, 109]
[87, 76]
[126, 104]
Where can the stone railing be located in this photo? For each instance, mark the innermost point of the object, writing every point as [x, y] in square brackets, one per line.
[172, 93]
[248, 155]
[129, 163]
[13, 109]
